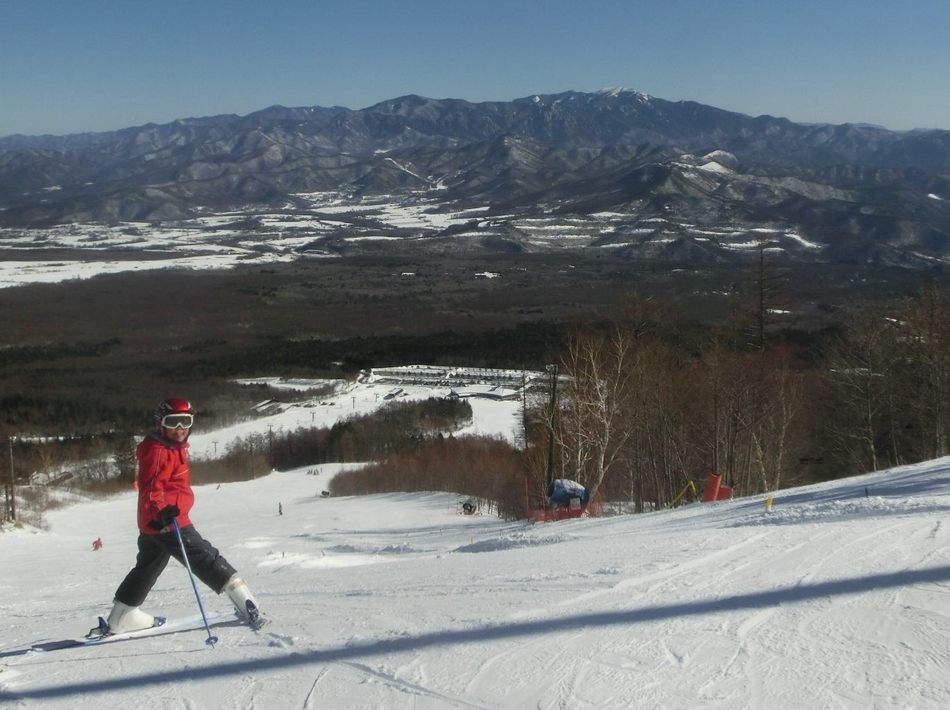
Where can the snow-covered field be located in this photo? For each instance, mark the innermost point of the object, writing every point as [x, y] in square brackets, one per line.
[837, 598]
[225, 240]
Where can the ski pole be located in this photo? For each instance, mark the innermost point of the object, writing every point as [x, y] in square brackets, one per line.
[212, 640]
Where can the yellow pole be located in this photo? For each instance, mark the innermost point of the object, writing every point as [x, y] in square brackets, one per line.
[768, 504]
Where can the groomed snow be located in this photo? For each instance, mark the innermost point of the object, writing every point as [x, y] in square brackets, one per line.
[837, 598]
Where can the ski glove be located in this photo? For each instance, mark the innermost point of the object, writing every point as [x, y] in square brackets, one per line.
[165, 517]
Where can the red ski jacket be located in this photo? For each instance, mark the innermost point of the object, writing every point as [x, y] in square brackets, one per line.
[164, 478]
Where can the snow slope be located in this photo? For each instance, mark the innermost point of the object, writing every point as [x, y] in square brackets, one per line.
[837, 598]
[490, 417]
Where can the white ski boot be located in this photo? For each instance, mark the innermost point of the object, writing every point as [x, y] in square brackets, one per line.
[247, 608]
[123, 619]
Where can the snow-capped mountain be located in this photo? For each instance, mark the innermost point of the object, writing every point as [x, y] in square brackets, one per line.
[675, 176]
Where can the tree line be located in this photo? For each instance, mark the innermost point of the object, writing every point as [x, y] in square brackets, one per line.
[644, 403]
[638, 418]
[636, 414]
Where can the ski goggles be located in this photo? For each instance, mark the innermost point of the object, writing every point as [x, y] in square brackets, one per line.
[178, 421]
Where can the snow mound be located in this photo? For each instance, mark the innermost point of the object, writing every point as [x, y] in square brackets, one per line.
[840, 510]
[509, 542]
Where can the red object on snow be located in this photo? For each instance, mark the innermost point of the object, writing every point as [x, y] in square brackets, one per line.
[714, 490]
[594, 509]
[97, 543]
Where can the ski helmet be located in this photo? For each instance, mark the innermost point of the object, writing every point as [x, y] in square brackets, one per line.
[173, 405]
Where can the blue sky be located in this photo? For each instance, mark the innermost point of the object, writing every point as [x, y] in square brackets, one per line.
[69, 66]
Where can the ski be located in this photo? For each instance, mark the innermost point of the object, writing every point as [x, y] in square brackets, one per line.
[88, 640]
[98, 635]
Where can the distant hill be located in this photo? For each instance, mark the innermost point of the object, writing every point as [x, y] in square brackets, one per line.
[860, 192]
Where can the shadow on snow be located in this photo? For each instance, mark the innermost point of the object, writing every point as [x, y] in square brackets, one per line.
[754, 600]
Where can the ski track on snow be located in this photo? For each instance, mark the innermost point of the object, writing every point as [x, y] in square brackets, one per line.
[397, 601]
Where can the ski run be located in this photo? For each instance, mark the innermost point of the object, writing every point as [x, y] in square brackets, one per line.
[839, 597]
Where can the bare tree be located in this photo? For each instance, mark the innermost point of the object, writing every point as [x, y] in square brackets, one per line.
[772, 436]
[725, 396]
[861, 368]
[747, 413]
[595, 416]
[926, 371]
[660, 453]
[767, 287]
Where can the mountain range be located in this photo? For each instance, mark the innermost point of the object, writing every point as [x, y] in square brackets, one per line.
[649, 178]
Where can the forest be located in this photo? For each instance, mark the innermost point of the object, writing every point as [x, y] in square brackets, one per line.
[772, 380]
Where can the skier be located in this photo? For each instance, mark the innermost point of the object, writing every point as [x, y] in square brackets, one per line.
[164, 485]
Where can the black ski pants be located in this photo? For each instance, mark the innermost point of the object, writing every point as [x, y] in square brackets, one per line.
[154, 551]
